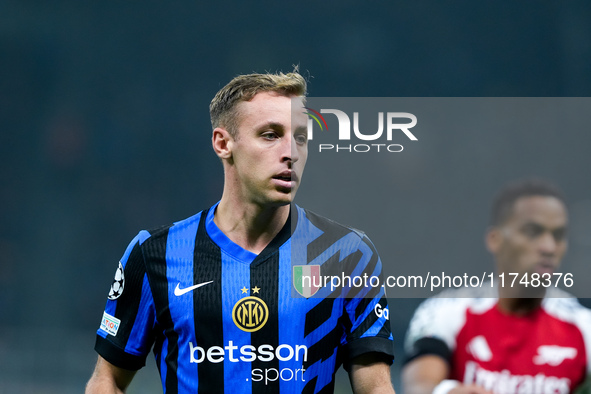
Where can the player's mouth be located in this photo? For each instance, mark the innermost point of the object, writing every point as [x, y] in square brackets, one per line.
[286, 179]
[545, 267]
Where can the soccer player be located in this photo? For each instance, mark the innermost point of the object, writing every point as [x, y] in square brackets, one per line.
[510, 339]
[212, 294]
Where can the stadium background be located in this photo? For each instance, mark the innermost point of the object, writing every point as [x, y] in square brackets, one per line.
[104, 130]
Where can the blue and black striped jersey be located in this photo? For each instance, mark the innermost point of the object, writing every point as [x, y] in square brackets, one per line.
[222, 319]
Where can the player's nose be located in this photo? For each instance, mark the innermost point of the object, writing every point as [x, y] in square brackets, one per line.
[289, 150]
[547, 244]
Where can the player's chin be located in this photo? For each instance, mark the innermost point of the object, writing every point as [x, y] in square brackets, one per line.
[545, 268]
[284, 196]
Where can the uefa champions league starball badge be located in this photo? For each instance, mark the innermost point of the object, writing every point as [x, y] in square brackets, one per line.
[118, 284]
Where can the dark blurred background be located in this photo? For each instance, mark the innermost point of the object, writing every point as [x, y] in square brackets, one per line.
[104, 128]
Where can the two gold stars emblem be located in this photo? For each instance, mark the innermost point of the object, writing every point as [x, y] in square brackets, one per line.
[255, 290]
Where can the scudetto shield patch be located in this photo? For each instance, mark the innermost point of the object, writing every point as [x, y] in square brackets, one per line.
[306, 279]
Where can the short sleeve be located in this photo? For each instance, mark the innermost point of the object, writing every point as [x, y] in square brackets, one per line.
[434, 327]
[366, 316]
[126, 333]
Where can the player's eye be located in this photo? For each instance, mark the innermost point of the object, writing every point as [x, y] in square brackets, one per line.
[559, 235]
[269, 135]
[301, 138]
[532, 231]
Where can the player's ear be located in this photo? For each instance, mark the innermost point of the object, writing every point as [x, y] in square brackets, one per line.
[221, 140]
[493, 239]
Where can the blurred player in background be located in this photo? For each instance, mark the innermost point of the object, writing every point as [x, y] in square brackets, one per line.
[508, 339]
[212, 294]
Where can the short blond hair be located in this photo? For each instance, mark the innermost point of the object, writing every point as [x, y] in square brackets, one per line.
[222, 109]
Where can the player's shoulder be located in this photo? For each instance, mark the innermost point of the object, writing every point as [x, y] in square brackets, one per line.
[325, 224]
[565, 307]
[451, 305]
[160, 234]
[458, 301]
[443, 315]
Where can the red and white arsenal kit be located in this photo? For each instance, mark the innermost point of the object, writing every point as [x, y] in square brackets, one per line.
[545, 351]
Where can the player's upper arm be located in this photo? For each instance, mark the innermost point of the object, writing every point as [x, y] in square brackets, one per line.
[423, 373]
[108, 379]
[429, 344]
[369, 374]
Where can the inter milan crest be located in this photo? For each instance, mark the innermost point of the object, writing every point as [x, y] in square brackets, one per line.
[118, 284]
[250, 314]
[306, 279]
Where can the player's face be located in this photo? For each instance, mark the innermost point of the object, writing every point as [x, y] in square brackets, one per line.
[533, 238]
[270, 149]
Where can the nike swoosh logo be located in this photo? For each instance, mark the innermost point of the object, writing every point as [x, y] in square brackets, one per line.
[179, 292]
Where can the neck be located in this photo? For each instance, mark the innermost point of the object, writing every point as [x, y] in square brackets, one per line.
[516, 298]
[519, 306]
[250, 225]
